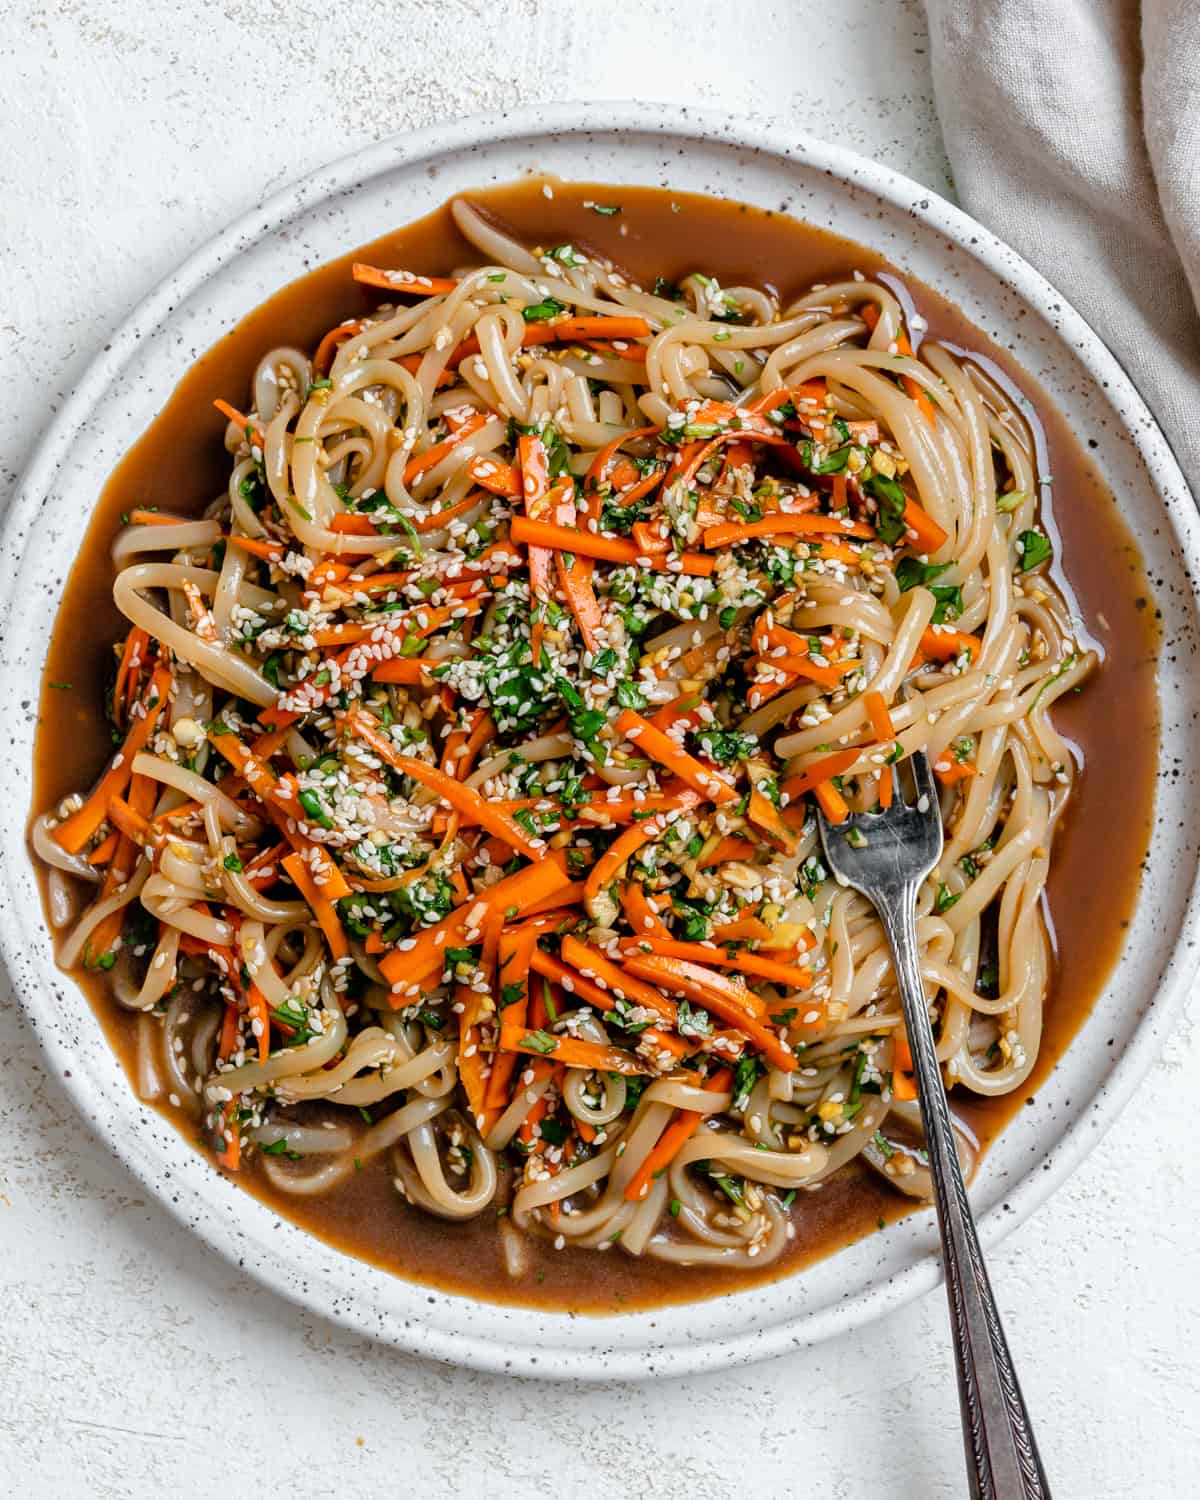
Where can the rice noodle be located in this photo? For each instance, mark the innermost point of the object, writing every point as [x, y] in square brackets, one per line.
[301, 906]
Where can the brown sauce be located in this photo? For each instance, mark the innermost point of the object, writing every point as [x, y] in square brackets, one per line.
[180, 463]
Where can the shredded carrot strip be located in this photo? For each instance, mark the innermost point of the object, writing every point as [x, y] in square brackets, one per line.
[702, 953]
[272, 552]
[941, 644]
[324, 911]
[570, 1051]
[249, 429]
[950, 772]
[279, 798]
[496, 476]
[606, 549]
[729, 533]
[726, 998]
[820, 771]
[139, 517]
[405, 967]
[328, 346]
[463, 798]
[75, 831]
[833, 804]
[684, 1124]
[402, 281]
[662, 748]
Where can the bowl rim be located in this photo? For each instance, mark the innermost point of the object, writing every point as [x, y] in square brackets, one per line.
[615, 119]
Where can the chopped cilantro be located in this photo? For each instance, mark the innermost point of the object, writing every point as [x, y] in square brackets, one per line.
[1034, 548]
[542, 312]
[945, 899]
[892, 502]
[726, 745]
[538, 1041]
[911, 571]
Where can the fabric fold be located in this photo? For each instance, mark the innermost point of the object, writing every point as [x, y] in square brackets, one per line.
[1073, 132]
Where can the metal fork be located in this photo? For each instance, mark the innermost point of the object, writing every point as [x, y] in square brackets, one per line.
[885, 856]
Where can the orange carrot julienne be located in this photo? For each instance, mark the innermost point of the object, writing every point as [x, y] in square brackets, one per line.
[565, 331]
[574, 579]
[227, 1044]
[730, 847]
[268, 551]
[203, 623]
[607, 549]
[75, 831]
[662, 748]
[230, 1154]
[571, 330]
[352, 523]
[831, 801]
[405, 967]
[903, 1085]
[402, 281]
[701, 953]
[250, 429]
[134, 654]
[130, 822]
[599, 993]
[881, 720]
[945, 645]
[598, 471]
[784, 523]
[649, 537]
[470, 1056]
[455, 793]
[801, 666]
[731, 1001]
[513, 959]
[766, 817]
[950, 772]
[534, 464]
[257, 1008]
[820, 771]
[569, 895]
[641, 912]
[495, 475]
[570, 1051]
[621, 849]
[927, 535]
[870, 316]
[743, 930]
[914, 387]
[593, 964]
[328, 346]
[421, 463]
[157, 518]
[324, 911]
[280, 800]
[106, 848]
[812, 393]
[684, 1124]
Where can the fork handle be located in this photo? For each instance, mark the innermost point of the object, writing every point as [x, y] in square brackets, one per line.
[1002, 1456]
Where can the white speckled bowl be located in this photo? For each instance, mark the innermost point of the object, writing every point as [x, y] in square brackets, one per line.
[356, 200]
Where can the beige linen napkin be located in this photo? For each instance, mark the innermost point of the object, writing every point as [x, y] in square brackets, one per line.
[1073, 129]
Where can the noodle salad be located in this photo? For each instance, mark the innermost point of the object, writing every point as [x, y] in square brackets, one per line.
[469, 745]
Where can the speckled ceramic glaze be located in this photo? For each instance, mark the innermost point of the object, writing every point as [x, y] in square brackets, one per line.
[375, 191]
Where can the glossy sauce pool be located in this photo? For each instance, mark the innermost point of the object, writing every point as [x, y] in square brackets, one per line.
[180, 463]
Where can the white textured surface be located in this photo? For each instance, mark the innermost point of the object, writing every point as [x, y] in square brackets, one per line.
[128, 132]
